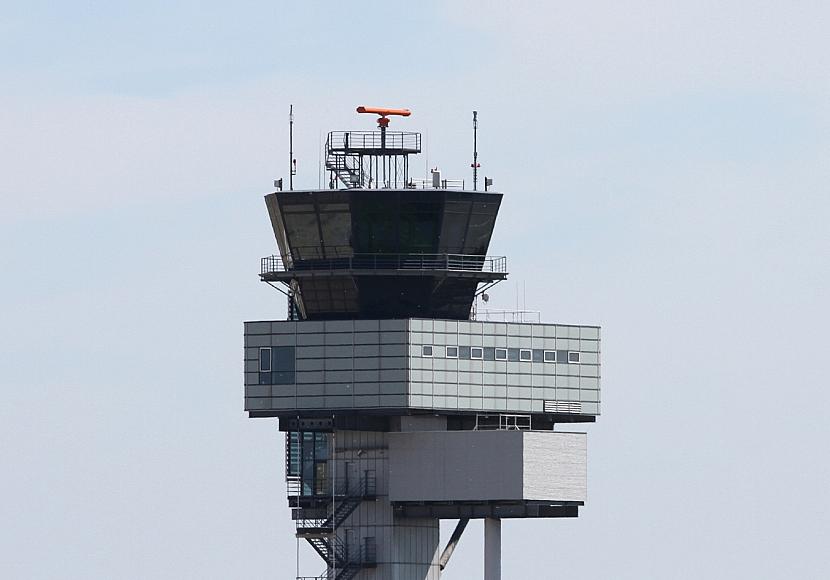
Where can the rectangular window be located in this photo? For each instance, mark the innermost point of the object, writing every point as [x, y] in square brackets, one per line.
[573, 357]
[283, 357]
[265, 360]
[452, 352]
[501, 354]
[426, 350]
[476, 352]
[292, 451]
[525, 354]
[550, 356]
[464, 352]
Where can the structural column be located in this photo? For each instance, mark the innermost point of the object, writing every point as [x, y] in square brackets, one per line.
[492, 549]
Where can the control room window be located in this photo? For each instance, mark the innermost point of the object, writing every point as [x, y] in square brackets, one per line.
[452, 352]
[476, 352]
[265, 360]
[550, 356]
[501, 354]
[573, 357]
[426, 350]
[525, 354]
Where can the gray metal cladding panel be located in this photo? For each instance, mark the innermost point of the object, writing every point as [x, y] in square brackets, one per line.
[443, 466]
[455, 466]
[469, 366]
[541, 364]
[555, 466]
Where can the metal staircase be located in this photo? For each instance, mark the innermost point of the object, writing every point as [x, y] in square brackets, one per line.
[345, 167]
[321, 533]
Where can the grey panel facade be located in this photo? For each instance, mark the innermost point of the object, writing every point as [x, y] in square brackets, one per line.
[443, 365]
[445, 466]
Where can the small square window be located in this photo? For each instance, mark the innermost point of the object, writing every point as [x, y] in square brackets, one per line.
[452, 352]
[426, 350]
[525, 354]
[265, 360]
[476, 352]
[573, 357]
[550, 356]
[501, 354]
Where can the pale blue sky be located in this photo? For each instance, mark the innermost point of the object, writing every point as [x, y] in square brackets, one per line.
[665, 169]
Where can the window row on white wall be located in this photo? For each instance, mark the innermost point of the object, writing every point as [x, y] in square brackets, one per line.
[502, 354]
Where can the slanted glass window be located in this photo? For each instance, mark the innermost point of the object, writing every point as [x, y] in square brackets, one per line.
[525, 354]
[452, 352]
[265, 360]
[550, 356]
[573, 357]
[426, 350]
[476, 352]
[501, 354]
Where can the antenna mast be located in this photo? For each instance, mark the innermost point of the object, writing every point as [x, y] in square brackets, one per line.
[475, 164]
[292, 163]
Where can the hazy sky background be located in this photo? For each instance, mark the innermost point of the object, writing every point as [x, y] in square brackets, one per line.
[665, 170]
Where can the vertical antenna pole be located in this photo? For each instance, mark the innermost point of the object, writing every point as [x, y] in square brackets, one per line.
[475, 150]
[292, 163]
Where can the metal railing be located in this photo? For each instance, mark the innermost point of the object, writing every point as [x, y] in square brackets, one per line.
[519, 316]
[422, 262]
[364, 557]
[357, 141]
[365, 486]
[503, 422]
[429, 184]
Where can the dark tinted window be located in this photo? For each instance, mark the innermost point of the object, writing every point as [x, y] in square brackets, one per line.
[283, 357]
[264, 360]
[452, 352]
[513, 354]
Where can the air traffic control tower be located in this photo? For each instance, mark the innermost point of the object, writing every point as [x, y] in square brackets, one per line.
[400, 405]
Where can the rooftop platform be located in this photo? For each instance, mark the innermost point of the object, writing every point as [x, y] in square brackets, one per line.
[374, 142]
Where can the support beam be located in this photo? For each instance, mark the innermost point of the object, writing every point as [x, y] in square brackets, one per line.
[456, 536]
[492, 549]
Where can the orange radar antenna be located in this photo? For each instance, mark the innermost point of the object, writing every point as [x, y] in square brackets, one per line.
[384, 113]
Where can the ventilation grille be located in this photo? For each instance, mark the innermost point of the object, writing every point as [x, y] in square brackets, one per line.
[562, 407]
